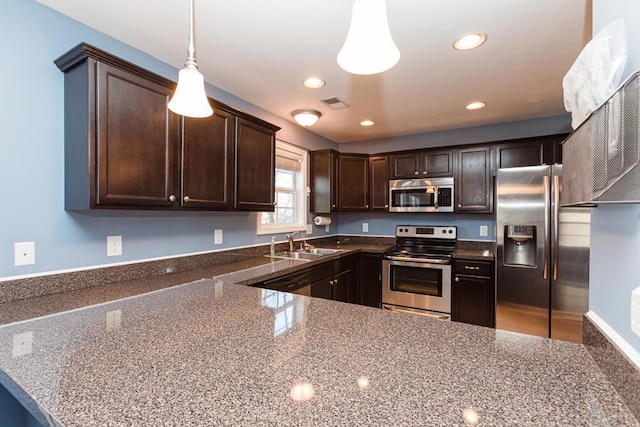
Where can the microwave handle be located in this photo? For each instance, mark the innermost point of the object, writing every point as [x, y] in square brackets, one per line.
[435, 197]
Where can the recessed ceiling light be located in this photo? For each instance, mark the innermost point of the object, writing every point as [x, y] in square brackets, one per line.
[313, 82]
[476, 105]
[469, 41]
[367, 123]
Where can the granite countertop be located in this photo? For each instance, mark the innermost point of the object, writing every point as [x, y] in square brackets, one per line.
[212, 353]
[246, 272]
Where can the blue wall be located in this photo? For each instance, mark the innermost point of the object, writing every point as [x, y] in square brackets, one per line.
[615, 230]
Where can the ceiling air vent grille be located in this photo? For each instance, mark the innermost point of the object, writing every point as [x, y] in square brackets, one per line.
[334, 103]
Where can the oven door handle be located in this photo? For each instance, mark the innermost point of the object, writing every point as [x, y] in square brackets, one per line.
[439, 316]
[422, 260]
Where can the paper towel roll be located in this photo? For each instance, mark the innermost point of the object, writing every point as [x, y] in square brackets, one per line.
[322, 220]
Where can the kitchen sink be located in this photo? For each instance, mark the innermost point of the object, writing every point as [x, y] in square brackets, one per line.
[306, 254]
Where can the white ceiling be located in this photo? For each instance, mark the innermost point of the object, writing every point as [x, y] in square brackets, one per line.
[261, 50]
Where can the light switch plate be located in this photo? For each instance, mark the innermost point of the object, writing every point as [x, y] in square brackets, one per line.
[114, 245]
[635, 311]
[484, 230]
[217, 237]
[309, 229]
[365, 227]
[24, 253]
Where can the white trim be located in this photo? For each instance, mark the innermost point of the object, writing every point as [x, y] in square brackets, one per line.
[630, 353]
[301, 196]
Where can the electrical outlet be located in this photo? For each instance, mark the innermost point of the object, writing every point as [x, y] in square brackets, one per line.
[365, 227]
[484, 230]
[309, 229]
[22, 344]
[114, 245]
[24, 253]
[217, 237]
[635, 311]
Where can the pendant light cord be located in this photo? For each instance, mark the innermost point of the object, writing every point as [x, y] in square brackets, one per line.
[191, 49]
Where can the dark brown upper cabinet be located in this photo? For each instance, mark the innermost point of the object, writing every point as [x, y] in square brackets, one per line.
[255, 150]
[379, 183]
[208, 161]
[529, 152]
[422, 164]
[353, 179]
[474, 179]
[323, 180]
[124, 149]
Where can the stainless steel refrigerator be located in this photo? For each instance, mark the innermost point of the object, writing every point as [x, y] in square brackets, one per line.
[542, 264]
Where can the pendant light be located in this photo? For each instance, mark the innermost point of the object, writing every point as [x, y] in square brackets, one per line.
[369, 48]
[190, 98]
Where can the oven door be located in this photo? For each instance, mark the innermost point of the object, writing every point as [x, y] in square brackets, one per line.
[414, 284]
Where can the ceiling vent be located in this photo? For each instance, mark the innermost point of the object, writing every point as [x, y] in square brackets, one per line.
[335, 103]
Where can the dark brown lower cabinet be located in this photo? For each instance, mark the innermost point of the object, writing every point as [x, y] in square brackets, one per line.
[473, 293]
[370, 283]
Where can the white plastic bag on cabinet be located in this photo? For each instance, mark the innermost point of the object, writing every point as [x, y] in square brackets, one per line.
[596, 73]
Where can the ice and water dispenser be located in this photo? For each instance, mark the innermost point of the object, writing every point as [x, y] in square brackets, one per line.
[520, 242]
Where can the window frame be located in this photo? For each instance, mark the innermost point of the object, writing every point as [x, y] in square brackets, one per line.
[301, 195]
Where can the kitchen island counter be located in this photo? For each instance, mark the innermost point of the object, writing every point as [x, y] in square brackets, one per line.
[214, 353]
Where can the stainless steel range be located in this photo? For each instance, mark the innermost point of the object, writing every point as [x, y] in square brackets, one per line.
[416, 272]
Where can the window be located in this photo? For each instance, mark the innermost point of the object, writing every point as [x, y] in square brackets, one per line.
[290, 210]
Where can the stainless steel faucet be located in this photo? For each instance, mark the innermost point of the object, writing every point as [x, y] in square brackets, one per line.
[290, 238]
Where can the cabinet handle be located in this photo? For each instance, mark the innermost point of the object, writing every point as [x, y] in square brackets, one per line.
[333, 206]
[366, 206]
[424, 172]
[386, 206]
[468, 267]
[459, 205]
[172, 198]
[457, 279]
[186, 199]
[331, 282]
[416, 173]
[275, 203]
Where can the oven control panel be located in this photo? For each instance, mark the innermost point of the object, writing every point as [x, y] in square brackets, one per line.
[427, 231]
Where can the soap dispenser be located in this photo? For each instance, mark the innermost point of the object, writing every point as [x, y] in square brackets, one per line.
[272, 246]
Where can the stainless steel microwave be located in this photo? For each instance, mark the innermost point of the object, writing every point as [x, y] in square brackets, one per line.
[421, 195]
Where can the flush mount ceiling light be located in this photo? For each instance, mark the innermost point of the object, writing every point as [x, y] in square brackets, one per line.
[476, 105]
[469, 41]
[313, 83]
[306, 117]
[190, 98]
[367, 123]
[368, 48]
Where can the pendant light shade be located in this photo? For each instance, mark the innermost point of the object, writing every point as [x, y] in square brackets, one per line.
[369, 48]
[190, 98]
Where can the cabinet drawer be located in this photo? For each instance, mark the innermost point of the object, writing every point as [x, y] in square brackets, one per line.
[473, 268]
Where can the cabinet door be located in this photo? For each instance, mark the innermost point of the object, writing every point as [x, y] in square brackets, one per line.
[342, 286]
[370, 283]
[137, 141]
[207, 161]
[323, 180]
[353, 179]
[474, 180]
[436, 163]
[379, 183]
[405, 165]
[255, 152]
[322, 288]
[529, 152]
[473, 300]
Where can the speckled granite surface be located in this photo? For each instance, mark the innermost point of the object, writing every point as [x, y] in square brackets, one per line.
[622, 374]
[474, 250]
[208, 353]
[83, 294]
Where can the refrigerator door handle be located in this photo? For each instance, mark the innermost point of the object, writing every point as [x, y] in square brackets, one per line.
[556, 214]
[547, 208]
